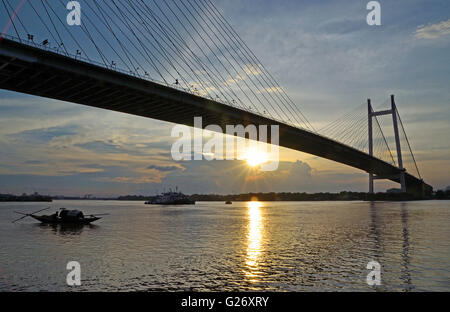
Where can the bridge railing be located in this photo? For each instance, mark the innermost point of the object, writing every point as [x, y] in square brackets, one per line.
[60, 51]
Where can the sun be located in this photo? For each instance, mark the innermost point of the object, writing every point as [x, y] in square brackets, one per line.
[255, 157]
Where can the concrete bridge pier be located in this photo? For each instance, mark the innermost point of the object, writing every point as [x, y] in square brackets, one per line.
[393, 112]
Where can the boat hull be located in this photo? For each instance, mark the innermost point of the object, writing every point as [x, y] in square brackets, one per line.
[53, 220]
[172, 202]
[175, 202]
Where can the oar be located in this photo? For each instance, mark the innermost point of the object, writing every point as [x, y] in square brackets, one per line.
[100, 214]
[28, 214]
[39, 210]
[19, 219]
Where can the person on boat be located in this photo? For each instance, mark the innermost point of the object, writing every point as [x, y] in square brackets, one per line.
[55, 215]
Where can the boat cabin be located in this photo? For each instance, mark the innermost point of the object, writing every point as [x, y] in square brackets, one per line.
[71, 214]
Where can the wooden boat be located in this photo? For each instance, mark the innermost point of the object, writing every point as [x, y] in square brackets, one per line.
[64, 217]
[51, 219]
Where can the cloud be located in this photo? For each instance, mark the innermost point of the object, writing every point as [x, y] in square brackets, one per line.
[124, 145]
[21, 105]
[274, 90]
[253, 69]
[342, 27]
[134, 180]
[45, 135]
[163, 168]
[226, 177]
[101, 147]
[33, 162]
[433, 31]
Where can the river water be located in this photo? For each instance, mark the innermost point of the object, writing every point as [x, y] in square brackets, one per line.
[246, 246]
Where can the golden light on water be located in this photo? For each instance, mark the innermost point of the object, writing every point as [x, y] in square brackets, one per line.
[255, 232]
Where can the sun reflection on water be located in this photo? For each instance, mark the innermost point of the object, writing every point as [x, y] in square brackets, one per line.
[255, 229]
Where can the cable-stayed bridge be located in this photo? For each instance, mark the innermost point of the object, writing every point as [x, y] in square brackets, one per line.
[174, 60]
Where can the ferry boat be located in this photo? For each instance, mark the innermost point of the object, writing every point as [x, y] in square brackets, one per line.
[171, 198]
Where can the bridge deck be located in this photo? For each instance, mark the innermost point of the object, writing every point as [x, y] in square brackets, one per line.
[43, 73]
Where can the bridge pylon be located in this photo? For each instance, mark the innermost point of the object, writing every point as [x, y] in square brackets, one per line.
[371, 114]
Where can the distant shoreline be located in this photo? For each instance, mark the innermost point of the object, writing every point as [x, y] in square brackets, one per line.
[282, 196]
[25, 198]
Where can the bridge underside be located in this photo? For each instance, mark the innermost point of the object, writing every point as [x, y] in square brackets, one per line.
[34, 71]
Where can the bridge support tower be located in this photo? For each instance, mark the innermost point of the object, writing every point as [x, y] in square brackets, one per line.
[372, 114]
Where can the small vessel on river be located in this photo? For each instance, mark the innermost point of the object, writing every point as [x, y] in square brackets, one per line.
[171, 198]
[64, 216]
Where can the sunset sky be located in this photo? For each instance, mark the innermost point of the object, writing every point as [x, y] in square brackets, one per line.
[322, 52]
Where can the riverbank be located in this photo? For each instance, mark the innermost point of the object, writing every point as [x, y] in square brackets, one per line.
[272, 196]
[25, 198]
[290, 196]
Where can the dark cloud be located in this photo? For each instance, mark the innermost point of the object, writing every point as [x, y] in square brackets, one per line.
[216, 176]
[76, 184]
[101, 147]
[33, 162]
[163, 168]
[163, 145]
[45, 135]
[108, 146]
[94, 166]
